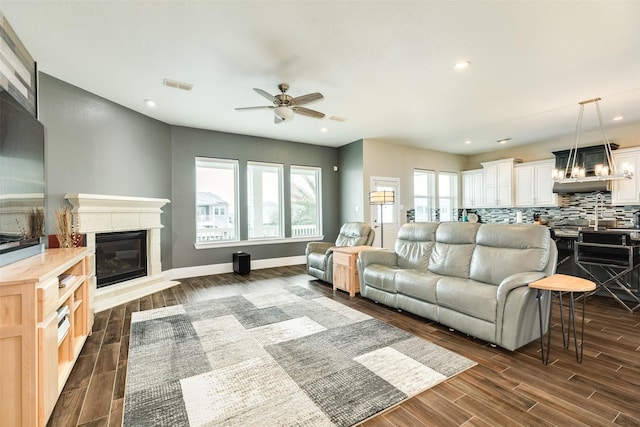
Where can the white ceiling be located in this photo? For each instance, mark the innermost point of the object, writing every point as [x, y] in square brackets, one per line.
[387, 66]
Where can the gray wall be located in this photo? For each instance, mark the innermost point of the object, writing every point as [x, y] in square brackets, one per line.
[350, 164]
[95, 146]
[189, 143]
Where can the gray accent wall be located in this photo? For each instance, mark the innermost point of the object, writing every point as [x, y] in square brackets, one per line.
[189, 143]
[95, 146]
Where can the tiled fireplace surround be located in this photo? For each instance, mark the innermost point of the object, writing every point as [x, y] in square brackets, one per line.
[106, 214]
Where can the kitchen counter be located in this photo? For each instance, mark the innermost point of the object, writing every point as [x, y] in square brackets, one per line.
[573, 233]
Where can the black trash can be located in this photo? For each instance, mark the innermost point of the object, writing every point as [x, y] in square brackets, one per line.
[241, 263]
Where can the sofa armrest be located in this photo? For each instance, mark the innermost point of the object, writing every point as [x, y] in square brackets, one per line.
[320, 247]
[515, 281]
[509, 284]
[381, 256]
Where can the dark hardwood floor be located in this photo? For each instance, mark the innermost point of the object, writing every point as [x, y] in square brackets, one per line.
[505, 388]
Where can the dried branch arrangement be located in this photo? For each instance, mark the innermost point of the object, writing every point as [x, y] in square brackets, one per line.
[35, 223]
[66, 232]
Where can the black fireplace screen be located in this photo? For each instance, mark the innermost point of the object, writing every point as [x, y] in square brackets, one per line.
[120, 256]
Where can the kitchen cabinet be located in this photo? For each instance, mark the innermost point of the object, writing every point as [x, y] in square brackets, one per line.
[473, 188]
[498, 183]
[534, 184]
[626, 191]
[587, 157]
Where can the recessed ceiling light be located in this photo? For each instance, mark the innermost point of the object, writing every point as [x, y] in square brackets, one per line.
[150, 102]
[461, 65]
[616, 118]
[503, 140]
[324, 130]
[467, 142]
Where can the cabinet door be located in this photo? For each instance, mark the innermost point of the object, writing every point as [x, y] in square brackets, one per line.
[478, 189]
[467, 190]
[505, 184]
[543, 193]
[625, 191]
[472, 189]
[47, 366]
[491, 186]
[525, 185]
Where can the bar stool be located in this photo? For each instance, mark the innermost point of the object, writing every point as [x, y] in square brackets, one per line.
[562, 283]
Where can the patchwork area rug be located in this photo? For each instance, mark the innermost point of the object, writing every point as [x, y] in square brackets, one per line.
[285, 357]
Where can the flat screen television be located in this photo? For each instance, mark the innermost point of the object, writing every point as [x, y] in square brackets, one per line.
[22, 184]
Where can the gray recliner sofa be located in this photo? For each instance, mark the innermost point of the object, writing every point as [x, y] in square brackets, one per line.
[319, 255]
[471, 277]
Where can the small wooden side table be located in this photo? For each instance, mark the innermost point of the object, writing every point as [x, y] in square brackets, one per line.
[562, 283]
[345, 270]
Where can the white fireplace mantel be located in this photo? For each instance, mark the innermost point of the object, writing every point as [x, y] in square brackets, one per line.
[97, 213]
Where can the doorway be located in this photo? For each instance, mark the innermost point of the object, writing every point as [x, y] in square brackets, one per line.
[389, 214]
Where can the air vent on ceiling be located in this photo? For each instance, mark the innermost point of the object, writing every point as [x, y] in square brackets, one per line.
[338, 118]
[178, 85]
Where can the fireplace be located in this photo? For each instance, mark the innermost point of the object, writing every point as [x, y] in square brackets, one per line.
[98, 214]
[120, 257]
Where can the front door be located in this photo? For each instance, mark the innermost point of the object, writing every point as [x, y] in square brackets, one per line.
[385, 219]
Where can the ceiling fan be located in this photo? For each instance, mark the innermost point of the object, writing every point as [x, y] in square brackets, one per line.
[284, 106]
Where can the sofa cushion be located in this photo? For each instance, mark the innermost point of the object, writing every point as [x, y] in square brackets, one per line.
[418, 284]
[505, 249]
[414, 244]
[451, 255]
[380, 277]
[468, 296]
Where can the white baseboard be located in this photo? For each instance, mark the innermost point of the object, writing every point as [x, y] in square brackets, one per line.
[206, 270]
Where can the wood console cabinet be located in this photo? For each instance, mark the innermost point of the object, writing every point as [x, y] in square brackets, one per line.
[345, 271]
[35, 357]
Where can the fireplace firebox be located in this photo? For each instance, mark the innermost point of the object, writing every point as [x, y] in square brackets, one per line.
[120, 256]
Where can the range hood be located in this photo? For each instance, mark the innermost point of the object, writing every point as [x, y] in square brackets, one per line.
[581, 187]
[587, 157]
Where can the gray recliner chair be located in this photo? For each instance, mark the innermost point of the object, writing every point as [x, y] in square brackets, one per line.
[320, 254]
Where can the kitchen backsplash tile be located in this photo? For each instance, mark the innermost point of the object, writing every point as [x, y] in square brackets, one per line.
[573, 206]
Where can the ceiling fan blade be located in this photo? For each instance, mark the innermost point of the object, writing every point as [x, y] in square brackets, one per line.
[255, 108]
[265, 94]
[308, 112]
[305, 99]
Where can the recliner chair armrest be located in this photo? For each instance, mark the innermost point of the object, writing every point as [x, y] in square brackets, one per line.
[321, 247]
[377, 257]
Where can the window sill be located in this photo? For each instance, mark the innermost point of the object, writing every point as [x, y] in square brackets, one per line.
[257, 242]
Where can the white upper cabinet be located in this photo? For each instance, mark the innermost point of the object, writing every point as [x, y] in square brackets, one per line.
[534, 184]
[473, 188]
[498, 183]
[626, 191]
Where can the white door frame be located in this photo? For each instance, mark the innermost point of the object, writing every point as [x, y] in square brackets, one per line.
[390, 228]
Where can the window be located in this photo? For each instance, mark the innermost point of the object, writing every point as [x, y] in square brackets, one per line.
[264, 200]
[424, 195]
[305, 201]
[216, 199]
[448, 196]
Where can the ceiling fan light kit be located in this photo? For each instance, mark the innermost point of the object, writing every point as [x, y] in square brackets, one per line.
[283, 113]
[284, 106]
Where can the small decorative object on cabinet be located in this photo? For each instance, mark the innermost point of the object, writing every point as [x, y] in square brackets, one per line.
[345, 271]
[42, 329]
